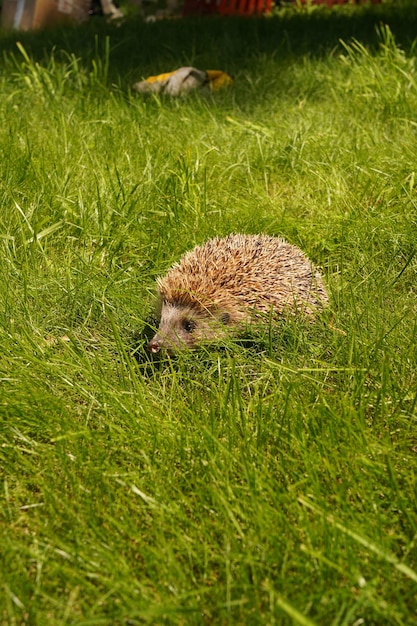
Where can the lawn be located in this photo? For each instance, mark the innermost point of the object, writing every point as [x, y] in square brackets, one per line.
[267, 481]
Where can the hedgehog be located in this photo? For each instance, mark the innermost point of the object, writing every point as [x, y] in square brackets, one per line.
[218, 288]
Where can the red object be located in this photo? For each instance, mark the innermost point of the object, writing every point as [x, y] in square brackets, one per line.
[247, 7]
[226, 7]
[244, 7]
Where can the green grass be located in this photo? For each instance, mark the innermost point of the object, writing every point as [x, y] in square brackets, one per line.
[272, 482]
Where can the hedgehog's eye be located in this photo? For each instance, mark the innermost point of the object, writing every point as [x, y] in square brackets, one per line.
[188, 325]
[225, 318]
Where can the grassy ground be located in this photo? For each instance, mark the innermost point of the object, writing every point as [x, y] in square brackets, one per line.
[273, 483]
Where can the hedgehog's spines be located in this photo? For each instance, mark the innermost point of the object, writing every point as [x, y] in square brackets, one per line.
[236, 277]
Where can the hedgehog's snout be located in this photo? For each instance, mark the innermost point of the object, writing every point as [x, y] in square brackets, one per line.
[154, 346]
[169, 341]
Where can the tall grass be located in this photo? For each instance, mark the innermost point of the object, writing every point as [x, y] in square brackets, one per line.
[269, 482]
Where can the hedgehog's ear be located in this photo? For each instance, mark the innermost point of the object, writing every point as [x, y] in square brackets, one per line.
[225, 317]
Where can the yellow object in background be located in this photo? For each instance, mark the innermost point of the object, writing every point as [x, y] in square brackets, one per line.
[160, 78]
[219, 79]
[184, 80]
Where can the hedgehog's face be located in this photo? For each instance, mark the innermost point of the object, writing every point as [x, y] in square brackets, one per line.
[184, 328]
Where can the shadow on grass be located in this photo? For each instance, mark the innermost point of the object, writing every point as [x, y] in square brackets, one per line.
[137, 48]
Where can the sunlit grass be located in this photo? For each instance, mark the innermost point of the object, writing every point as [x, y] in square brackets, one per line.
[266, 481]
